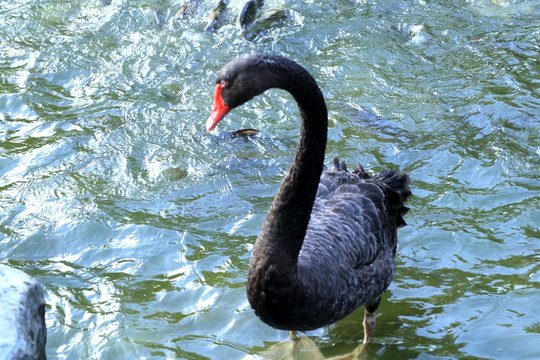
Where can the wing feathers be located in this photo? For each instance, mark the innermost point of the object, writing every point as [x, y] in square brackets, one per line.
[355, 216]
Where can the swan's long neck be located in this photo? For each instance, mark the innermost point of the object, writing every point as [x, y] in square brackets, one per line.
[284, 228]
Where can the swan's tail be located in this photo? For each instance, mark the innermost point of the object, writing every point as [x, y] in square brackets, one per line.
[339, 165]
[398, 184]
[359, 171]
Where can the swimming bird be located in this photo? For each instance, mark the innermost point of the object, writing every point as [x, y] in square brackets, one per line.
[328, 243]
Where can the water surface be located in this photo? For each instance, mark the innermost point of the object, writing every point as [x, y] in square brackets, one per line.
[140, 225]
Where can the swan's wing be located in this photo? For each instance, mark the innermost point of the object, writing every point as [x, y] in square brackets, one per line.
[347, 221]
[355, 218]
[347, 258]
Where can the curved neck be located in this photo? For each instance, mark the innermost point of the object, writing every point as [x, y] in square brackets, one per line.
[284, 228]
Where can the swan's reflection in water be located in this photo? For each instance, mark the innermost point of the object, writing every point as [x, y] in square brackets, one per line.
[303, 348]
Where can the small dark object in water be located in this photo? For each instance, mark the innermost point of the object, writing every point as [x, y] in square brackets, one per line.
[244, 132]
[187, 9]
[249, 13]
[215, 16]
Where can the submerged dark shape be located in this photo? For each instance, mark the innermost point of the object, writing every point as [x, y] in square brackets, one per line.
[328, 243]
[244, 132]
[249, 13]
[188, 8]
[215, 17]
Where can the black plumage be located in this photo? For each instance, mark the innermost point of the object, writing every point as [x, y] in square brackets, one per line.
[328, 243]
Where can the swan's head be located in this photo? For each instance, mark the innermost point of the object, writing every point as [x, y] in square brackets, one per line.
[240, 81]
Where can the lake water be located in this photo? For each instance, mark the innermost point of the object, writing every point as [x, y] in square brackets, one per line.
[140, 224]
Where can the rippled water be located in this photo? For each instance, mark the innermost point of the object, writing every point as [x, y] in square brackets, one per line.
[140, 225]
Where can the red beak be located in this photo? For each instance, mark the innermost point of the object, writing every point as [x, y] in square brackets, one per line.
[219, 109]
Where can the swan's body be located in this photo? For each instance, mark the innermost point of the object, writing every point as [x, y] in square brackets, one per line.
[328, 243]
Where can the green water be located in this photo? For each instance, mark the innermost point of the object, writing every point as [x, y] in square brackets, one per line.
[140, 225]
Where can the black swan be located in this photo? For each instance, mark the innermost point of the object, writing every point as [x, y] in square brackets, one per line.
[328, 243]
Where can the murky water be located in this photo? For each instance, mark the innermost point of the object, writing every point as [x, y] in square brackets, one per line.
[140, 224]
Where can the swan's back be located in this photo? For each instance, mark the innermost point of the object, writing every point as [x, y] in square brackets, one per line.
[351, 240]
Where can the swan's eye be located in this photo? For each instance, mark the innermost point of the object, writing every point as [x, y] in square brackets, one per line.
[223, 84]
